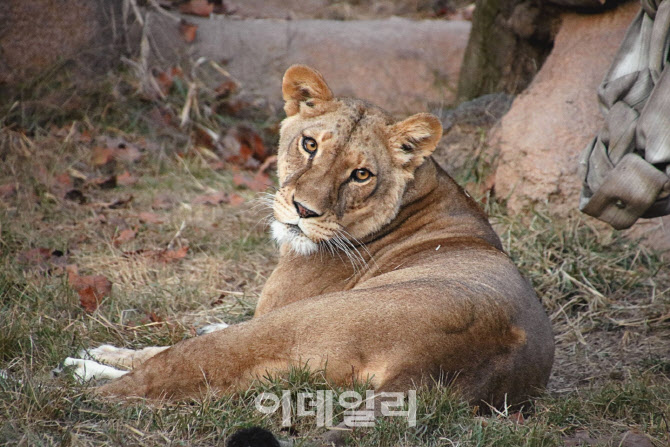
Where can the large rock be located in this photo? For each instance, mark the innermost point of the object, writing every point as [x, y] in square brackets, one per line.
[550, 123]
[402, 65]
[328, 9]
[36, 34]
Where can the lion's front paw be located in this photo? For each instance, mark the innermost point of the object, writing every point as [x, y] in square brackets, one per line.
[109, 355]
[85, 370]
[121, 357]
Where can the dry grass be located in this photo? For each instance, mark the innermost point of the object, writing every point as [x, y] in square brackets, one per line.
[607, 296]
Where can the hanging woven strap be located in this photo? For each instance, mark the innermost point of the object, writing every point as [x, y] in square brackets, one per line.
[626, 168]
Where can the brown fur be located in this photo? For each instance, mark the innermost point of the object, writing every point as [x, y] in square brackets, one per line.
[431, 294]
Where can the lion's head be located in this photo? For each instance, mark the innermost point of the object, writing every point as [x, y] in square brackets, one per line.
[343, 164]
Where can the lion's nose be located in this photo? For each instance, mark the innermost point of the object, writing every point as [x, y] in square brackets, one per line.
[303, 211]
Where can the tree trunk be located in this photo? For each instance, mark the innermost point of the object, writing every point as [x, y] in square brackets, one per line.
[509, 41]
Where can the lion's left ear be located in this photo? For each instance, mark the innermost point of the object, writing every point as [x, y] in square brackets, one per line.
[303, 84]
[414, 139]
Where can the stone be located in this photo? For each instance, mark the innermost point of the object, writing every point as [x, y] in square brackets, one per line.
[402, 65]
[653, 233]
[37, 34]
[329, 9]
[549, 124]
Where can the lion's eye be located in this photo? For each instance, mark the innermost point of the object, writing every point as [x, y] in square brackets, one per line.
[309, 145]
[361, 175]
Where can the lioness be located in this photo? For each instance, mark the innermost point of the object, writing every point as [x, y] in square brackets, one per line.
[387, 269]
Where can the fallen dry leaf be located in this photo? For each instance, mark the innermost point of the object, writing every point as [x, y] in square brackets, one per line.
[517, 418]
[91, 289]
[219, 300]
[236, 199]
[114, 204]
[259, 182]
[212, 199]
[164, 256]
[124, 236]
[119, 203]
[104, 182]
[100, 156]
[188, 31]
[150, 218]
[242, 144]
[201, 137]
[200, 8]
[226, 88]
[85, 136]
[164, 81]
[176, 72]
[152, 317]
[172, 255]
[126, 179]
[163, 201]
[235, 106]
[63, 181]
[162, 117]
[43, 259]
[7, 190]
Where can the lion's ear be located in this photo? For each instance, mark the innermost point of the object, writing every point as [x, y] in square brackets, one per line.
[303, 84]
[414, 139]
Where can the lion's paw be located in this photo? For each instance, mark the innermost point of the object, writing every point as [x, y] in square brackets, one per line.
[85, 370]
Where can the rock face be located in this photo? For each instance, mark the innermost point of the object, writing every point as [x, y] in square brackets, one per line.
[551, 122]
[402, 65]
[328, 9]
[36, 34]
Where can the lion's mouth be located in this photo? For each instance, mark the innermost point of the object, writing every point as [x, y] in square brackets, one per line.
[292, 234]
[295, 229]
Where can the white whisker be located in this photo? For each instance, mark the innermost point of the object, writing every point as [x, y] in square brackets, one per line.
[360, 244]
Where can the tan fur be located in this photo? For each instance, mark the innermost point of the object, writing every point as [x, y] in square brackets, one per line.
[427, 294]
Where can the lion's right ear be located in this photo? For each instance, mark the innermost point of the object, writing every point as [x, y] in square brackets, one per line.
[303, 84]
[414, 139]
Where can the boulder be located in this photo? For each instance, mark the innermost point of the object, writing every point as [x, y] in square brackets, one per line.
[551, 122]
[328, 9]
[36, 34]
[402, 65]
